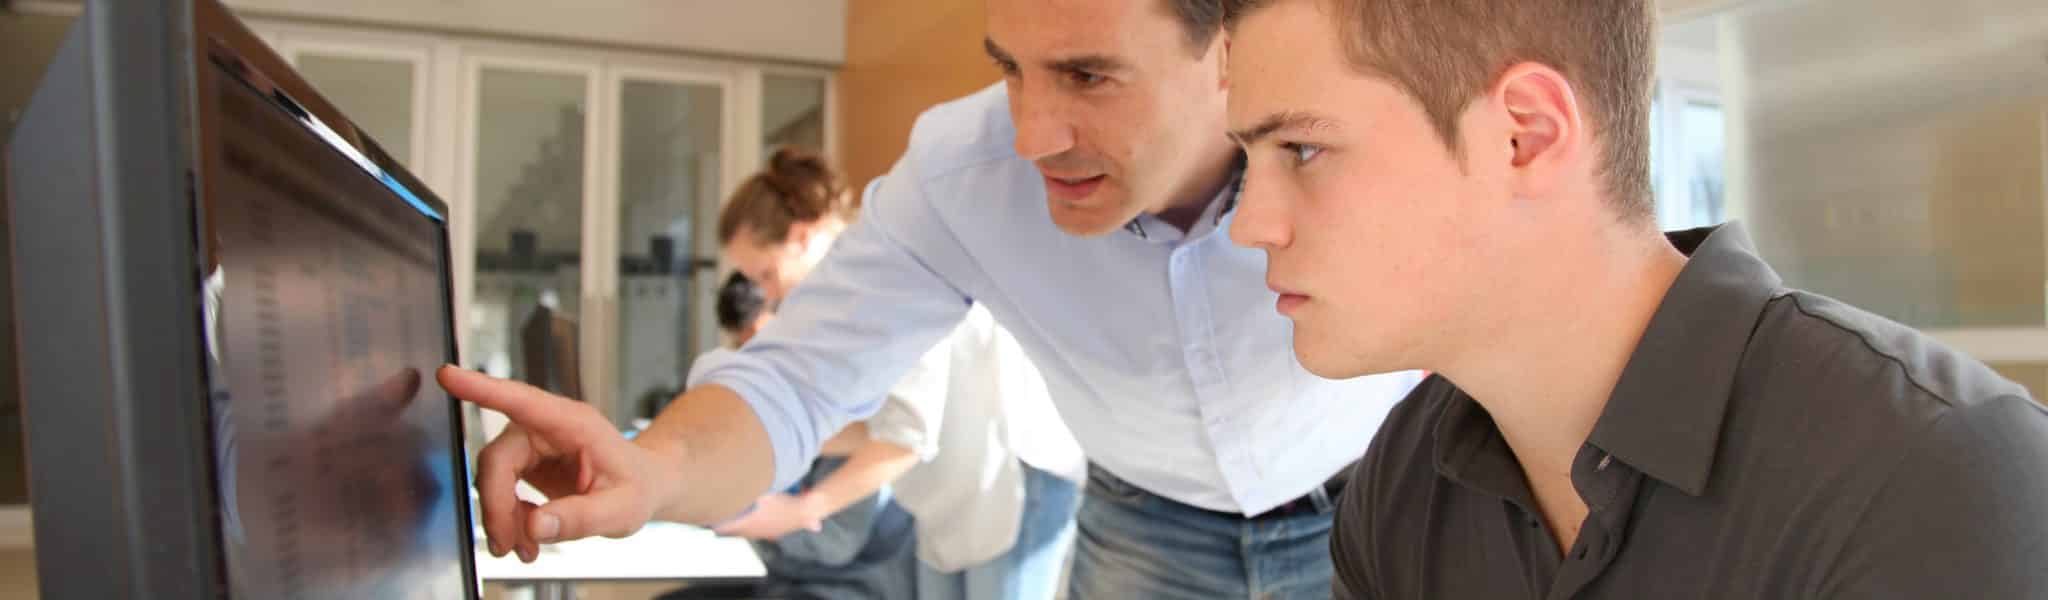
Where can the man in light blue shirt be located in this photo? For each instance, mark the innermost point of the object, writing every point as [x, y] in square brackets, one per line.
[1084, 201]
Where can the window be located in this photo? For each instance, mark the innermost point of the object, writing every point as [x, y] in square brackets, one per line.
[1881, 153]
[1688, 151]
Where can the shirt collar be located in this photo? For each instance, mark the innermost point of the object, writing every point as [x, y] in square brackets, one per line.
[1471, 451]
[1664, 417]
[1150, 228]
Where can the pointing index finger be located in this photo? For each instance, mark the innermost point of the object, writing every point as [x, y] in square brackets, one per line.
[546, 414]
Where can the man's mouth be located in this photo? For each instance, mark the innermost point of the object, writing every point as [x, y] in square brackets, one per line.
[1072, 189]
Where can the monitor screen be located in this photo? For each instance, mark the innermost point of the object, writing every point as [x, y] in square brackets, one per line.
[326, 307]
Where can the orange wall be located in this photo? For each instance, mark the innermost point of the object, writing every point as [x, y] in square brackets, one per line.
[902, 56]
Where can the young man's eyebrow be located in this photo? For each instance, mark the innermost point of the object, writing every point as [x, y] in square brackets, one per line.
[1278, 121]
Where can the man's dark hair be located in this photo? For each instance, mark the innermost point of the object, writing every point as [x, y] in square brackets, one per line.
[739, 303]
[1202, 20]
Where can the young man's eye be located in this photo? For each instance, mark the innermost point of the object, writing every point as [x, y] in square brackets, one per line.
[1084, 79]
[1008, 68]
[1301, 153]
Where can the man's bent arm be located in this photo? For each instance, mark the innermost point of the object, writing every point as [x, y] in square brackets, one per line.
[754, 419]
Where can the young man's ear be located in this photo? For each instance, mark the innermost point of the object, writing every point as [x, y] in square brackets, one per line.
[1546, 126]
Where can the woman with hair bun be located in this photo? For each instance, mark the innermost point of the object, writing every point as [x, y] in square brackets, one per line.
[967, 442]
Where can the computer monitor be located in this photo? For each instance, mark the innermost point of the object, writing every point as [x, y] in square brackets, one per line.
[231, 305]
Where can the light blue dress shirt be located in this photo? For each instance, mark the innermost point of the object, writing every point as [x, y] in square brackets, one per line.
[1161, 348]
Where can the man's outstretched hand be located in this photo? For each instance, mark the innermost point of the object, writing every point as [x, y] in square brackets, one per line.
[598, 483]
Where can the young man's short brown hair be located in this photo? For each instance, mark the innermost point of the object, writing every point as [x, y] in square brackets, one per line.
[1446, 52]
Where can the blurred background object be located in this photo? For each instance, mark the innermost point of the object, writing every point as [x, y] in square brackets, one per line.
[1889, 153]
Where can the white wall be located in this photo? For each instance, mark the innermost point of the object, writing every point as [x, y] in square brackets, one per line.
[810, 31]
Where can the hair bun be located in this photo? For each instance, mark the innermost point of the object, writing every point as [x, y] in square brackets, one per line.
[796, 187]
[793, 162]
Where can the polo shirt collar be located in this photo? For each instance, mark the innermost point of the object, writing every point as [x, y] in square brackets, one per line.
[1665, 415]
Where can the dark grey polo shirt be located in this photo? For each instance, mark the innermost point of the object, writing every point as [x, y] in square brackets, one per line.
[1761, 443]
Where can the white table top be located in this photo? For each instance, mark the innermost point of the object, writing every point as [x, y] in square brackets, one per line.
[660, 551]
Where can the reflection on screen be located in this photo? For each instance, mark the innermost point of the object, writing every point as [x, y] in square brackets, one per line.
[326, 320]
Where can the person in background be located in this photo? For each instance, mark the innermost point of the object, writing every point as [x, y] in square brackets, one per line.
[862, 550]
[1616, 412]
[1083, 201]
[741, 309]
[968, 437]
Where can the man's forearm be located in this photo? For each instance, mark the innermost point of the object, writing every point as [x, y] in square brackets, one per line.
[715, 456]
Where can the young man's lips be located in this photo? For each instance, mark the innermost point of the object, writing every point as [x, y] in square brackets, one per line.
[1289, 303]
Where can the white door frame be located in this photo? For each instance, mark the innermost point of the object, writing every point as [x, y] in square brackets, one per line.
[603, 364]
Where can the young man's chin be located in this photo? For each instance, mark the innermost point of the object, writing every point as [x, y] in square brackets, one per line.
[1319, 365]
[1328, 360]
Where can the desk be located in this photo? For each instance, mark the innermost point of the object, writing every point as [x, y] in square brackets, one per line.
[659, 552]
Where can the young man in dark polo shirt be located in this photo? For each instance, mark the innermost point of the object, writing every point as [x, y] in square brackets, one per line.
[1617, 414]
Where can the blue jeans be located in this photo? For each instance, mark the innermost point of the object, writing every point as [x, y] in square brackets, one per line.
[1139, 546]
[1031, 569]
